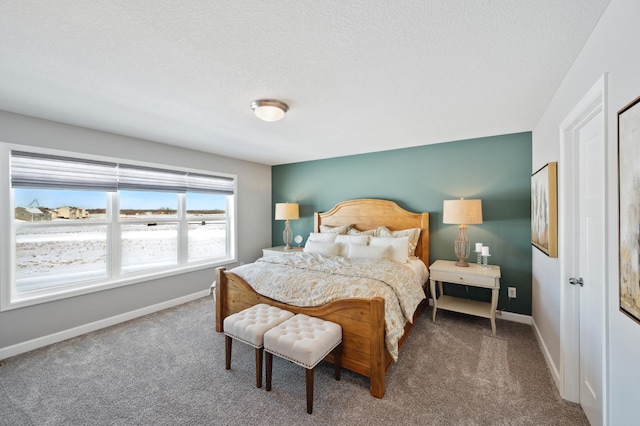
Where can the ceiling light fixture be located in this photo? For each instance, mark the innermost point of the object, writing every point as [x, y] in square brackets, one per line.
[269, 109]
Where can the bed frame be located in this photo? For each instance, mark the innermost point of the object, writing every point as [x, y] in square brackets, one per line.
[362, 320]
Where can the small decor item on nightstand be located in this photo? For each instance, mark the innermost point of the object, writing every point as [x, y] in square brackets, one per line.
[485, 256]
[287, 212]
[462, 212]
[478, 251]
[298, 240]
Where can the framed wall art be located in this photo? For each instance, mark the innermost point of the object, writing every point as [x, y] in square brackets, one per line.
[544, 209]
[629, 208]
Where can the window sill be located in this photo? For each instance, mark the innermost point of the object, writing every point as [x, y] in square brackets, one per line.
[32, 299]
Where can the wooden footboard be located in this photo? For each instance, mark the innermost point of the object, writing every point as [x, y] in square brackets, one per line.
[362, 322]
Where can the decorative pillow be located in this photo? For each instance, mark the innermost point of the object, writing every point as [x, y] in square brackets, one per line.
[370, 232]
[353, 239]
[322, 247]
[327, 237]
[336, 229]
[399, 247]
[412, 233]
[358, 251]
[345, 240]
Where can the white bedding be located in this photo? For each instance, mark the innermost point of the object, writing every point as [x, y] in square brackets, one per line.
[310, 279]
[419, 268]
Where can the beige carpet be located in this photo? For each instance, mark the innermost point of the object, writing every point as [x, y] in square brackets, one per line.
[168, 369]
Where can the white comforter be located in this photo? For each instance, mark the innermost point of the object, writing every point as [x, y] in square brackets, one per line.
[308, 279]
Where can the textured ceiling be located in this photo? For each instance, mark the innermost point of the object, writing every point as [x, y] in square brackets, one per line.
[359, 76]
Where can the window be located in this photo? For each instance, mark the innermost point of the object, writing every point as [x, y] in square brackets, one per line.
[149, 230]
[81, 225]
[207, 225]
[59, 238]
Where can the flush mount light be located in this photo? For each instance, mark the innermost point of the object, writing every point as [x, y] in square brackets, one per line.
[269, 109]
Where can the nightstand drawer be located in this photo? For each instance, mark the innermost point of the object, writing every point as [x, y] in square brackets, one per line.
[461, 278]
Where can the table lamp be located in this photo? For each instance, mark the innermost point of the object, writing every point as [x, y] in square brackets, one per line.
[287, 212]
[462, 212]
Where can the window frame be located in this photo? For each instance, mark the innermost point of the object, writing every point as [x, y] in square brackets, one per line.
[10, 299]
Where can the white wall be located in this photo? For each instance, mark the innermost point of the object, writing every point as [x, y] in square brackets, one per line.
[254, 228]
[613, 47]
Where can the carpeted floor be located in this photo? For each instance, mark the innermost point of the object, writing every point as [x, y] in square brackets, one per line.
[168, 369]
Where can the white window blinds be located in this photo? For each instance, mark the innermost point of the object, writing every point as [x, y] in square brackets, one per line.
[32, 170]
[149, 179]
[210, 184]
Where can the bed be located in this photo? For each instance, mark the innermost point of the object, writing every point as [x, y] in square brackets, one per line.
[362, 319]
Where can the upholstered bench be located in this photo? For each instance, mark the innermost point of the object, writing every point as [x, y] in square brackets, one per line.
[305, 341]
[249, 326]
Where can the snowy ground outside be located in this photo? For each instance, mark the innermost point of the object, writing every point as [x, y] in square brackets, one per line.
[51, 256]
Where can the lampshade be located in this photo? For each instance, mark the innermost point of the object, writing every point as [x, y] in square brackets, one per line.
[269, 109]
[287, 211]
[462, 212]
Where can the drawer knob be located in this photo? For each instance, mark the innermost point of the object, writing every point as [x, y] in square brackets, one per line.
[461, 278]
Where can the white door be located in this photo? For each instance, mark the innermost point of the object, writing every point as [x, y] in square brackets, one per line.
[583, 254]
[589, 246]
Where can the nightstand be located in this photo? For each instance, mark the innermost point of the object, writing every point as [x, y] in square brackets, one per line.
[475, 275]
[277, 251]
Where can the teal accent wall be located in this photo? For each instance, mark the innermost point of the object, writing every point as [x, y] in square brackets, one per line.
[495, 169]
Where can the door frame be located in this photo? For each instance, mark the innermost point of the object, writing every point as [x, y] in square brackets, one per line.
[593, 102]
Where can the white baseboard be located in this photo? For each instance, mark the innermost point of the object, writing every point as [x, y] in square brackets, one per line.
[555, 373]
[39, 342]
[511, 316]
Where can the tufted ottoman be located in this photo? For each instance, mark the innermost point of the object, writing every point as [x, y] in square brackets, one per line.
[305, 341]
[249, 326]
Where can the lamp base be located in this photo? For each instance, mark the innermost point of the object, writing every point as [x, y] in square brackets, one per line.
[286, 235]
[462, 247]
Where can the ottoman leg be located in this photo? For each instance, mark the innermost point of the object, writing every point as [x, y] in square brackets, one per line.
[227, 352]
[269, 361]
[259, 367]
[309, 390]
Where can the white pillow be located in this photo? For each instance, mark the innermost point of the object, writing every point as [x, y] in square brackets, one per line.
[336, 229]
[399, 247]
[322, 247]
[327, 237]
[345, 240]
[412, 233]
[358, 251]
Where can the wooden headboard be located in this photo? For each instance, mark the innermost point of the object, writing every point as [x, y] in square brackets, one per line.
[367, 214]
